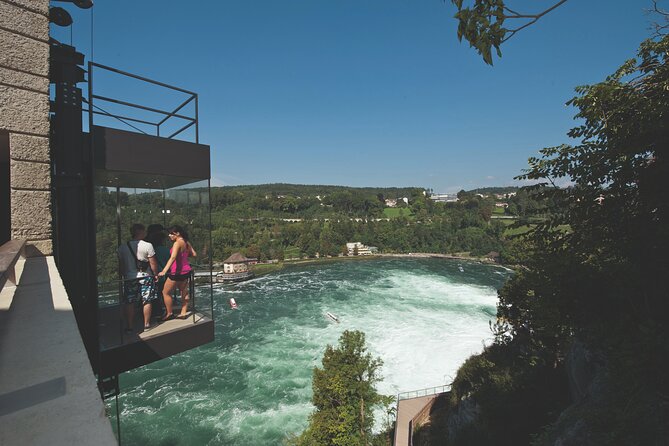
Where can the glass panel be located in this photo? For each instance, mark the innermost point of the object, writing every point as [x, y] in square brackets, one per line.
[116, 211]
[188, 207]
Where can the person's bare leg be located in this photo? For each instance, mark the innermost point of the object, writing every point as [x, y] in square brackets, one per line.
[185, 298]
[147, 314]
[167, 296]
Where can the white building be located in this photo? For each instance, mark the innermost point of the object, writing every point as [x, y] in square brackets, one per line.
[362, 250]
[444, 198]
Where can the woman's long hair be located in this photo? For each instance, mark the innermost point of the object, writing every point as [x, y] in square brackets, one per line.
[182, 232]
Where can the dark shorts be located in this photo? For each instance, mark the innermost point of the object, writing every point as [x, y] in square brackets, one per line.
[141, 289]
[179, 277]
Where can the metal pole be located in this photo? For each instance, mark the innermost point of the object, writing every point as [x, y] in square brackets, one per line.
[118, 415]
[197, 122]
[211, 254]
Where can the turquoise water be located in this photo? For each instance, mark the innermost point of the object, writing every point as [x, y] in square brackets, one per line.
[252, 385]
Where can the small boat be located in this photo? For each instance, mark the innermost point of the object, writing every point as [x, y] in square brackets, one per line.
[332, 317]
[233, 303]
[462, 270]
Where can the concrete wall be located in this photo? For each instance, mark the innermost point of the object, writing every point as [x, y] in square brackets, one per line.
[24, 113]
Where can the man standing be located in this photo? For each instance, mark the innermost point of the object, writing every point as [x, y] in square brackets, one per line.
[137, 266]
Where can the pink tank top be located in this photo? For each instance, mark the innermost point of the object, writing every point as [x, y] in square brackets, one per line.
[180, 265]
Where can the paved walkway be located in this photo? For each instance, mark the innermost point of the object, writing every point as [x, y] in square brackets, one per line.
[406, 410]
[48, 393]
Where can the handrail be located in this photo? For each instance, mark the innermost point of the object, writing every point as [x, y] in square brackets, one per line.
[423, 392]
[9, 255]
[141, 78]
[142, 107]
[93, 97]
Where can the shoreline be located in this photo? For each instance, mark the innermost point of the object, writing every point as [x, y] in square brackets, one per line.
[414, 255]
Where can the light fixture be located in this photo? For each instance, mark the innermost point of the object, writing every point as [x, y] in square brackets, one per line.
[83, 4]
[58, 16]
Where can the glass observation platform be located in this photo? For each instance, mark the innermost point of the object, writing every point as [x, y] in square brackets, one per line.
[149, 168]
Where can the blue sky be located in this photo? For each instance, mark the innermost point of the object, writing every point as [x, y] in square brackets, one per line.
[364, 93]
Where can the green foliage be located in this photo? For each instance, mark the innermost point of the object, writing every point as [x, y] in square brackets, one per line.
[344, 395]
[517, 391]
[594, 269]
[264, 222]
[482, 24]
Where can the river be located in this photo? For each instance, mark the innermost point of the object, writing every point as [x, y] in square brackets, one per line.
[252, 385]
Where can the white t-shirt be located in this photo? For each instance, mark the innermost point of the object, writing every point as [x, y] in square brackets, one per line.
[143, 249]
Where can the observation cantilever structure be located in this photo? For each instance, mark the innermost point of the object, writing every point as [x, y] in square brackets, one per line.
[61, 340]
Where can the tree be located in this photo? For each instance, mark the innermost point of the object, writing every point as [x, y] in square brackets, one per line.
[602, 281]
[482, 25]
[344, 395]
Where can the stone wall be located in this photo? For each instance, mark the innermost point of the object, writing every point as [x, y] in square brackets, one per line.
[24, 113]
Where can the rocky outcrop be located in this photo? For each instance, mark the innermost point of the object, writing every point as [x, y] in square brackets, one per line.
[462, 417]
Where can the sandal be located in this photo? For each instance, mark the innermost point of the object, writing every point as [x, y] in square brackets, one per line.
[168, 317]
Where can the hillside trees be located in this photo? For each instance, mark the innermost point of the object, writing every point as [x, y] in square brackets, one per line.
[602, 283]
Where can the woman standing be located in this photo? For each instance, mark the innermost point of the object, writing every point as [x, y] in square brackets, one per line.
[179, 271]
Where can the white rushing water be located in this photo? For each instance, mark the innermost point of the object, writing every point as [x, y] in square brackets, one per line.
[252, 386]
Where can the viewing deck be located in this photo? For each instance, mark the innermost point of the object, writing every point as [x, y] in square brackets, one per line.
[409, 406]
[121, 352]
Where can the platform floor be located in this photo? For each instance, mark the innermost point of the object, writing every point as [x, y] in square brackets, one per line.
[112, 326]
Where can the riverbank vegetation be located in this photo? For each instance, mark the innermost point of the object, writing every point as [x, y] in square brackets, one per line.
[580, 353]
[286, 221]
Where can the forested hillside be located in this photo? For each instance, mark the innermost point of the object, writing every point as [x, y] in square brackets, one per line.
[285, 221]
[281, 221]
[581, 356]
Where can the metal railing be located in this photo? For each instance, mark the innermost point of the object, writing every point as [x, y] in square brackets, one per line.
[113, 319]
[423, 392]
[96, 109]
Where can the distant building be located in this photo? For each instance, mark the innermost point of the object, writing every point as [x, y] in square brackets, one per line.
[236, 263]
[391, 203]
[501, 205]
[236, 268]
[444, 198]
[362, 250]
[494, 256]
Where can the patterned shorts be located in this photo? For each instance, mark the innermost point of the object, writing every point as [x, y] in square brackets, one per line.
[141, 289]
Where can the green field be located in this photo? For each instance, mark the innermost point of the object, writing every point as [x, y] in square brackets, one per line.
[509, 231]
[397, 212]
[266, 268]
[291, 252]
[526, 228]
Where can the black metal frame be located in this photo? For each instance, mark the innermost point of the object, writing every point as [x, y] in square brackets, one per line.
[94, 109]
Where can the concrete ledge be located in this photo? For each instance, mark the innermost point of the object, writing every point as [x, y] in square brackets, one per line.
[10, 253]
[48, 392]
